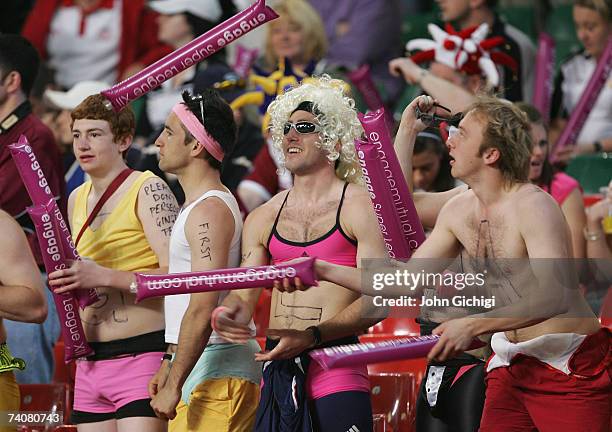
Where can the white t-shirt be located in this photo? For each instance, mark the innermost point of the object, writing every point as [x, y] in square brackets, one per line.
[577, 73]
[180, 261]
[88, 50]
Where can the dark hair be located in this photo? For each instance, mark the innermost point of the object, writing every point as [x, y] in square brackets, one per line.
[19, 55]
[218, 121]
[535, 117]
[431, 141]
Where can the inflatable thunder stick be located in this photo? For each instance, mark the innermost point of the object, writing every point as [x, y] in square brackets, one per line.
[191, 53]
[388, 221]
[362, 79]
[40, 193]
[587, 101]
[544, 72]
[377, 134]
[245, 58]
[67, 308]
[377, 352]
[220, 280]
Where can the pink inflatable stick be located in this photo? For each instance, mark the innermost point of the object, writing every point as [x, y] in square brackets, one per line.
[362, 79]
[30, 171]
[244, 61]
[192, 53]
[67, 308]
[377, 352]
[545, 69]
[587, 101]
[223, 279]
[376, 184]
[40, 193]
[377, 134]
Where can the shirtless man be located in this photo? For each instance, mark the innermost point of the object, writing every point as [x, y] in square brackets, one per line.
[206, 236]
[22, 298]
[129, 234]
[502, 216]
[323, 215]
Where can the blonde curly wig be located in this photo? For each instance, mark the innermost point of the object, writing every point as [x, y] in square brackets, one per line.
[335, 112]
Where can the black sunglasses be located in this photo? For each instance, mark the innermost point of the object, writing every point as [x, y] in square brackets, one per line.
[434, 120]
[301, 127]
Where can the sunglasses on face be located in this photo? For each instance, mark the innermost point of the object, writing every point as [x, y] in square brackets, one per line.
[301, 127]
[434, 120]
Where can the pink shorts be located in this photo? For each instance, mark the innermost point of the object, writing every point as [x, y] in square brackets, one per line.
[321, 383]
[104, 386]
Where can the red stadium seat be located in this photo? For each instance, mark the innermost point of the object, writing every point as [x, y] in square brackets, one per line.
[50, 398]
[379, 423]
[415, 366]
[392, 396]
[589, 200]
[397, 327]
[63, 373]
[605, 315]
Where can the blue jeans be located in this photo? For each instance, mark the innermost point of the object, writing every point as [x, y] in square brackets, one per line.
[34, 343]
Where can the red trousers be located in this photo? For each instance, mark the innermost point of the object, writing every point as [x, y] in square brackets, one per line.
[530, 395]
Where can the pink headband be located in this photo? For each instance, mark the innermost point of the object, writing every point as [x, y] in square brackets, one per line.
[197, 129]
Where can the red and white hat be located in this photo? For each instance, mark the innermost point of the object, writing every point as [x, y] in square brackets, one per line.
[466, 51]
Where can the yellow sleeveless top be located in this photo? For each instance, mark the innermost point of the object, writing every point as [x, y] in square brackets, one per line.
[120, 242]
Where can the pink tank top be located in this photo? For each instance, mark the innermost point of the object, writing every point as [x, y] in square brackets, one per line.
[335, 247]
[561, 186]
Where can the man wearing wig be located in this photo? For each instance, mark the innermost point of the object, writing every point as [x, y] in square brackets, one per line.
[325, 214]
[219, 381]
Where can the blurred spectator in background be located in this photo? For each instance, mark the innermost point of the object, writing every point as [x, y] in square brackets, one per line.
[180, 21]
[563, 188]
[517, 86]
[592, 21]
[364, 31]
[455, 75]
[297, 35]
[19, 64]
[102, 40]
[430, 163]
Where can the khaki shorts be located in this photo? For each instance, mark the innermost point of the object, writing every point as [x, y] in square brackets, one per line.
[221, 405]
[9, 396]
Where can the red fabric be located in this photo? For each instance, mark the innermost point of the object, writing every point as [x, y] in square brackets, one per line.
[264, 171]
[532, 396]
[139, 43]
[13, 196]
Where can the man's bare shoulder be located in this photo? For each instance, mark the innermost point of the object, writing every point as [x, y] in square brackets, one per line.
[529, 197]
[268, 210]
[356, 196]
[7, 222]
[462, 202]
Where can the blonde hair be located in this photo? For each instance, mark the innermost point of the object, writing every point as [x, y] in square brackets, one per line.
[301, 13]
[335, 112]
[602, 7]
[507, 129]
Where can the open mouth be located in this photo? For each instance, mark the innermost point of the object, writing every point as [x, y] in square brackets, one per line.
[294, 150]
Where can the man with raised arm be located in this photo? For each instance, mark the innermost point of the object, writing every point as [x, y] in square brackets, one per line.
[549, 348]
